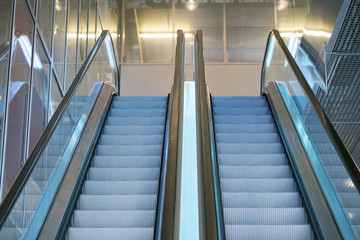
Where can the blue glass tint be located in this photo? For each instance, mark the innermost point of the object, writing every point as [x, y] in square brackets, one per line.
[39, 94]
[5, 19]
[189, 199]
[18, 96]
[45, 19]
[55, 96]
[337, 186]
[32, 205]
[59, 38]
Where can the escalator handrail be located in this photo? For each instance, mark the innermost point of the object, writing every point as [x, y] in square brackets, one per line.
[24, 174]
[167, 227]
[212, 215]
[344, 154]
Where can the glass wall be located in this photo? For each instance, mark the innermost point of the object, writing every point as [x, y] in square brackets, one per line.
[51, 39]
[18, 94]
[5, 35]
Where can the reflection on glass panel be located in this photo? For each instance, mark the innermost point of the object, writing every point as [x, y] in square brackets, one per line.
[18, 94]
[55, 96]
[82, 33]
[39, 94]
[99, 27]
[59, 37]
[149, 33]
[334, 179]
[247, 28]
[32, 4]
[71, 43]
[92, 25]
[5, 19]
[209, 18]
[41, 186]
[44, 17]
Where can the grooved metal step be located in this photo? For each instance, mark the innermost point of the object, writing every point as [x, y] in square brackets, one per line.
[259, 195]
[119, 196]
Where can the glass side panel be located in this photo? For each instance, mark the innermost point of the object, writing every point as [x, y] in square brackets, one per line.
[71, 43]
[337, 186]
[55, 96]
[39, 94]
[82, 33]
[59, 38]
[32, 205]
[19, 89]
[92, 25]
[45, 19]
[5, 19]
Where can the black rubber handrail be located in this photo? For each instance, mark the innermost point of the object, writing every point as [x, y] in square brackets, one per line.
[335, 139]
[212, 215]
[167, 227]
[41, 144]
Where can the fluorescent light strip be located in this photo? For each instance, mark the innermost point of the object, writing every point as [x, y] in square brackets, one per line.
[163, 35]
[84, 35]
[316, 33]
[291, 34]
[27, 49]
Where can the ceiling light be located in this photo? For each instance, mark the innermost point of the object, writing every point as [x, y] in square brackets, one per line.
[163, 35]
[191, 5]
[317, 33]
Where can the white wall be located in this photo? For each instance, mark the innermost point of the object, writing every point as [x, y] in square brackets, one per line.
[240, 79]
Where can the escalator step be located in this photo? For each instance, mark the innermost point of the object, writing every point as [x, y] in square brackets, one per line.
[247, 137]
[128, 150]
[249, 148]
[246, 128]
[243, 119]
[139, 98]
[241, 111]
[135, 130]
[131, 139]
[136, 113]
[226, 159]
[119, 196]
[123, 174]
[278, 232]
[265, 216]
[139, 121]
[110, 233]
[258, 185]
[139, 104]
[259, 195]
[257, 172]
[261, 200]
[114, 219]
[111, 202]
[126, 161]
[120, 187]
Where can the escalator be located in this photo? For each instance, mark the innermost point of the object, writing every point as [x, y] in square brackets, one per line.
[105, 165]
[119, 196]
[260, 199]
[109, 166]
[273, 166]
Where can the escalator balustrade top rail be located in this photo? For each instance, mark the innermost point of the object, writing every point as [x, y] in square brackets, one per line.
[339, 146]
[22, 178]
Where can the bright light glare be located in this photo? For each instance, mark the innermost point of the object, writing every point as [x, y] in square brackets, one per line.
[27, 49]
[110, 53]
[84, 35]
[291, 34]
[314, 33]
[317, 33]
[163, 35]
[271, 51]
[191, 5]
